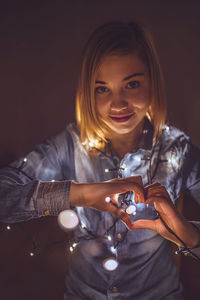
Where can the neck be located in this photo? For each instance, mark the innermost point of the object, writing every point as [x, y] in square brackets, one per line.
[124, 143]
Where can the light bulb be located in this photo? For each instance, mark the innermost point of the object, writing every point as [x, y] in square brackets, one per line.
[31, 254]
[109, 238]
[8, 227]
[110, 264]
[107, 199]
[131, 209]
[68, 219]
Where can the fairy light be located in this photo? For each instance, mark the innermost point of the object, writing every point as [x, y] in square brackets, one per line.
[138, 158]
[107, 199]
[113, 250]
[93, 143]
[110, 264]
[116, 197]
[71, 249]
[83, 226]
[8, 227]
[31, 254]
[68, 219]
[123, 166]
[53, 180]
[131, 209]
[25, 159]
[106, 170]
[109, 238]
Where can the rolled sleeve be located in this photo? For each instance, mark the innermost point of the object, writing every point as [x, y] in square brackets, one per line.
[50, 198]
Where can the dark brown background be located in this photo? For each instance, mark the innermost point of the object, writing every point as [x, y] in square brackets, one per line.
[41, 43]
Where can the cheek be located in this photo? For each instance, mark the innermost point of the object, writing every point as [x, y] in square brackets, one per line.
[100, 107]
[142, 100]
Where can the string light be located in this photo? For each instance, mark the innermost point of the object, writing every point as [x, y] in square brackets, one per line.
[113, 250]
[68, 219]
[107, 199]
[106, 170]
[110, 264]
[93, 143]
[8, 227]
[131, 209]
[123, 167]
[31, 254]
[109, 238]
[25, 159]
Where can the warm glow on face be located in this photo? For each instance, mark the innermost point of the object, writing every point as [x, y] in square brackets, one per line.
[122, 92]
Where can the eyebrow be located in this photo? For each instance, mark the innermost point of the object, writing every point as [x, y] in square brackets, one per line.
[125, 79]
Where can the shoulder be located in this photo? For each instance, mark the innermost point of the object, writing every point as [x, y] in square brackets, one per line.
[176, 143]
[173, 137]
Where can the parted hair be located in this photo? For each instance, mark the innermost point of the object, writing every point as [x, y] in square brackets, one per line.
[116, 38]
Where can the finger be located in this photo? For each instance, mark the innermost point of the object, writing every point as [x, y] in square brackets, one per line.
[119, 213]
[144, 224]
[157, 191]
[155, 199]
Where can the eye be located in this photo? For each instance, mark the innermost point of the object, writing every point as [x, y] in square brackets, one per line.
[133, 84]
[101, 89]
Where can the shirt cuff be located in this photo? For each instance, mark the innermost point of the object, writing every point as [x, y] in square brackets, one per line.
[50, 198]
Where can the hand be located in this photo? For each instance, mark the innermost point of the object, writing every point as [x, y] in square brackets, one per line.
[93, 195]
[158, 194]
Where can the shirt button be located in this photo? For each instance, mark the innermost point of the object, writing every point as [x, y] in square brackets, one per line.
[119, 236]
[114, 289]
[46, 212]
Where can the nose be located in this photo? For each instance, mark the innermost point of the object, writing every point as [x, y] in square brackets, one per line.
[118, 102]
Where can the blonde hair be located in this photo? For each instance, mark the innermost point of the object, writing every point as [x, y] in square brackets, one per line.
[116, 38]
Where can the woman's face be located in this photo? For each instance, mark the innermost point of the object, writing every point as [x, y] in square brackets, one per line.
[122, 92]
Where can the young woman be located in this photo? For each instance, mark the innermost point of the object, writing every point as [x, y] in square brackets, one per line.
[120, 145]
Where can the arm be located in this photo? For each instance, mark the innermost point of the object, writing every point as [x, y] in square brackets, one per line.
[23, 182]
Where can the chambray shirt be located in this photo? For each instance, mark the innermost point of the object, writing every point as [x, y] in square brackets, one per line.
[39, 185]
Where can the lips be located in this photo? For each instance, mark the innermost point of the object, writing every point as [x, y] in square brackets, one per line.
[121, 118]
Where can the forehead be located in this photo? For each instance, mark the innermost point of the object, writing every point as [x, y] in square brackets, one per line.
[115, 66]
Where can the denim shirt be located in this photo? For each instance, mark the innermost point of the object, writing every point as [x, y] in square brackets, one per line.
[39, 185]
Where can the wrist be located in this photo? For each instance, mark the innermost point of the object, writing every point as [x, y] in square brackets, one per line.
[75, 194]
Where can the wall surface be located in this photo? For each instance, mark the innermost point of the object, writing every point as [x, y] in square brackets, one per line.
[41, 43]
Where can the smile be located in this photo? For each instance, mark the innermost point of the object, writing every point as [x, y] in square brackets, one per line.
[121, 118]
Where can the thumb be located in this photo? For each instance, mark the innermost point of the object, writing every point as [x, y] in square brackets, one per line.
[144, 224]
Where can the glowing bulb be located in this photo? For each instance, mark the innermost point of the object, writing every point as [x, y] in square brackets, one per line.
[31, 254]
[25, 159]
[106, 170]
[74, 245]
[138, 158]
[83, 226]
[110, 264]
[131, 209]
[113, 250]
[71, 249]
[107, 199]
[109, 238]
[166, 128]
[8, 227]
[93, 143]
[53, 180]
[68, 219]
[116, 197]
[123, 166]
